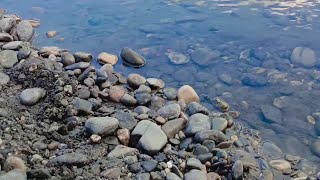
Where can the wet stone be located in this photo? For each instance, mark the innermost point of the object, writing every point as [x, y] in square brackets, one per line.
[172, 176]
[210, 144]
[194, 107]
[25, 31]
[197, 122]
[304, 57]
[79, 65]
[204, 56]
[205, 157]
[67, 59]
[82, 57]
[128, 100]
[155, 83]
[132, 58]
[253, 80]
[39, 174]
[135, 80]
[178, 58]
[219, 123]
[188, 94]
[141, 110]
[315, 148]
[272, 114]
[280, 165]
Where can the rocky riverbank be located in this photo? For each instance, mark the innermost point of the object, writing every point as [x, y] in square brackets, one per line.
[61, 118]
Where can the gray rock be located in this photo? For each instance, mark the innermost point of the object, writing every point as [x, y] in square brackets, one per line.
[67, 59]
[200, 149]
[82, 57]
[24, 53]
[304, 57]
[170, 93]
[5, 37]
[176, 171]
[195, 174]
[216, 136]
[307, 166]
[14, 175]
[171, 128]
[83, 93]
[79, 65]
[4, 79]
[204, 56]
[3, 112]
[149, 165]
[126, 120]
[143, 176]
[132, 58]
[219, 123]
[121, 151]
[193, 163]
[155, 83]
[39, 174]
[128, 100]
[194, 107]
[205, 157]
[8, 58]
[197, 122]
[6, 24]
[170, 111]
[83, 106]
[74, 159]
[31, 96]
[315, 148]
[172, 176]
[25, 31]
[102, 126]
[237, 170]
[142, 98]
[135, 80]
[14, 45]
[141, 110]
[156, 103]
[272, 114]
[152, 137]
[143, 89]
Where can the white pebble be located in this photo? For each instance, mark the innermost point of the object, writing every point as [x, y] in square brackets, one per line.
[169, 164]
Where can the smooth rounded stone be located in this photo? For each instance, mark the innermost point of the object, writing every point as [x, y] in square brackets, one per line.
[193, 163]
[315, 148]
[197, 123]
[143, 89]
[307, 166]
[195, 107]
[135, 80]
[156, 102]
[172, 127]
[101, 73]
[67, 59]
[82, 57]
[40, 173]
[149, 165]
[185, 143]
[170, 93]
[143, 176]
[210, 144]
[126, 120]
[121, 151]
[24, 53]
[253, 80]
[51, 34]
[31, 96]
[215, 135]
[14, 175]
[141, 110]
[219, 123]
[132, 58]
[4, 79]
[5, 37]
[178, 58]
[25, 31]
[6, 24]
[195, 174]
[170, 111]
[204, 56]
[152, 137]
[116, 93]
[237, 170]
[83, 106]
[73, 159]
[224, 145]
[205, 157]
[172, 176]
[188, 94]
[292, 158]
[200, 149]
[123, 136]
[155, 83]
[305, 57]
[83, 93]
[272, 114]
[142, 98]
[79, 65]
[270, 150]
[280, 165]
[213, 176]
[102, 126]
[106, 58]
[128, 100]
[8, 58]
[14, 45]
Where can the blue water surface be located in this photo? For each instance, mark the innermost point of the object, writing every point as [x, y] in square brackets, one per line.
[251, 41]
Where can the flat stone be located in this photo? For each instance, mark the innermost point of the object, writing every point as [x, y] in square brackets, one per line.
[195, 174]
[79, 65]
[31, 96]
[14, 175]
[126, 120]
[280, 165]
[82, 57]
[51, 34]
[5, 37]
[216, 136]
[8, 58]
[219, 123]
[121, 151]
[304, 57]
[102, 126]
[170, 111]
[135, 80]
[106, 58]
[4, 79]
[25, 31]
[195, 107]
[188, 94]
[272, 114]
[132, 58]
[74, 159]
[178, 58]
[172, 127]
[155, 83]
[14, 45]
[197, 122]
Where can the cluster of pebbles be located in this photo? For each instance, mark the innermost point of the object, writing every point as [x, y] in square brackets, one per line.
[61, 118]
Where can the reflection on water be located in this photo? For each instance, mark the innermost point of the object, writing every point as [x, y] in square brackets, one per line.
[239, 50]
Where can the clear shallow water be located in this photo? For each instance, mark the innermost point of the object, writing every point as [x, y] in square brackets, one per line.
[227, 28]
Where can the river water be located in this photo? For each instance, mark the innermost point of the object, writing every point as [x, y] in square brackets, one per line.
[237, 50]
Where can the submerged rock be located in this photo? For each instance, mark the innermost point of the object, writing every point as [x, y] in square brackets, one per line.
[132, 58]
[304, 57]
[315, 148]
[272, 114]
[204, 56]
[178, 58]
